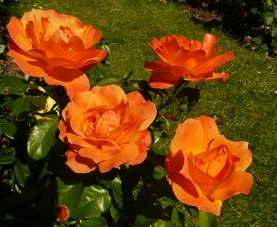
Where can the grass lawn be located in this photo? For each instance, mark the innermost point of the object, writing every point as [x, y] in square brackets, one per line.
[246, 104]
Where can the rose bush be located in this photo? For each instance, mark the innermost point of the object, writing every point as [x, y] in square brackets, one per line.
[106, 128]
[181, 57]
[54, 46]
[204, 167]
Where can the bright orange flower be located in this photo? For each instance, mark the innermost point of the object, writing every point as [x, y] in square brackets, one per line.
[185, 58]
[106, 128]
[56, 47]
[204, 167]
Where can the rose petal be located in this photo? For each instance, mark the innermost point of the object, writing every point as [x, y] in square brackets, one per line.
[79, 164]
[128, 152]
[239, 182]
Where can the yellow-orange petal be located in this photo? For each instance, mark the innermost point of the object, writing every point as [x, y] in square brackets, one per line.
[189, 60]
[90, 35]
[209, 127]
[239, 182]
[163, 80]
[18, 34]
[209, 44]
[189, 137]
[143, 141]
[79, 164]
[184, 194]
[238, 149]
[211, 64]
[27, 63]
[96, 154]
[109, 96]
[141, 111]
[218, 76]
[78, 84]
[128, 152]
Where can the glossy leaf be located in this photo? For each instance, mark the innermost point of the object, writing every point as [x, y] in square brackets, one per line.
[20, 105]
[114, 213]
[96, 222]
[21, 172]
[15, 85]
[115, 186]
[9, 129]
[7, 159]
[38, 101]
[95, 200]
[69, 195]
[40, 139]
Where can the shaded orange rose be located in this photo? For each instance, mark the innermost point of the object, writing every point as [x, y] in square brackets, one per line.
[204, 167]
[185, 58]
[106, 128]
[56, 47]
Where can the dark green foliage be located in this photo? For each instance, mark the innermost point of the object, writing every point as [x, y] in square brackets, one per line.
[136, 195]
[256, 20]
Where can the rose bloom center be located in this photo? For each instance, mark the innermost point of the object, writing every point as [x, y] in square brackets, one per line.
[217, 163]
[100, 122]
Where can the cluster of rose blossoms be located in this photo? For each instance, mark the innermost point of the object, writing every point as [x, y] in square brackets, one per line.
[106, 128]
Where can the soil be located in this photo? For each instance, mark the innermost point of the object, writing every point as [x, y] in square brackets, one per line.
[201, 14]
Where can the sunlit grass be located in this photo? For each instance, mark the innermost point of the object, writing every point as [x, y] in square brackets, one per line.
[246, 104]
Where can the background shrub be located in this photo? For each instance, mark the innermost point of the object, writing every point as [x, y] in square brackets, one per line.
[253, 21]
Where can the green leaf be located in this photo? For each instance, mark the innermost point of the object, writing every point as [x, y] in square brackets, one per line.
[159, 172]
[69, 195]
[38, 101]
[15, 85]
[174, 215]
[20, 105]
[40, 139]
[162, 223]
[7, 159]
[114, 213]
[21, 172]
[95, 200]
[268, 19]
[257, 40]
[9, 128]
[207, 219]
[268, 4]
[108, 80]
[142, 221]
[96, 222]
[2, 48]
[96, 73]
[115, 186]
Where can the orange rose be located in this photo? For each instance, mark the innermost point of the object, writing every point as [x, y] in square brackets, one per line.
[185, 58]
[204, 167]
[106, 128]
[56, 47]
